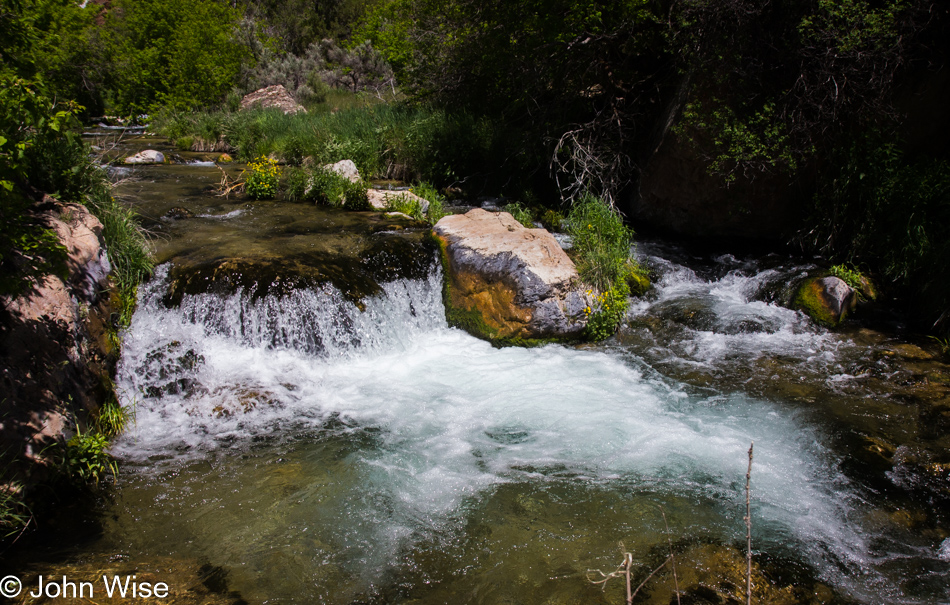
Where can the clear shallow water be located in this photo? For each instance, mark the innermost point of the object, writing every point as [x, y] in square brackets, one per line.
[321, 454]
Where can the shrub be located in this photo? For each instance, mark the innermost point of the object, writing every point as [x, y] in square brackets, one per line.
[262, 179]
[877, 207]
[436, 201]
[553, 221]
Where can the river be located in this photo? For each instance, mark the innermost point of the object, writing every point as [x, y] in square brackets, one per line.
[295, 447]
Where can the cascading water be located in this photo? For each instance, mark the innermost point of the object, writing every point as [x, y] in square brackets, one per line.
[318, 453]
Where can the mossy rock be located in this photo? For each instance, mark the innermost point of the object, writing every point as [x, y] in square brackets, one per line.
[639, 283]
[827, 300]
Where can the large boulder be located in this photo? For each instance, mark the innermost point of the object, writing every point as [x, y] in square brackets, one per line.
[507, 283]
[272, 97]
[826, 299]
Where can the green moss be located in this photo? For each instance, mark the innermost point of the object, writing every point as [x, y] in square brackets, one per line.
[637, 278]
[810, 300]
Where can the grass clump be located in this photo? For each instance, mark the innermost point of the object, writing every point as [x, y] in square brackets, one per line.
[436, 209]
[601, 252]
[409, 143]
[848, 275]
[323, 186]
[85, 459]
[601, 242]
[406, 204]
[520, 213]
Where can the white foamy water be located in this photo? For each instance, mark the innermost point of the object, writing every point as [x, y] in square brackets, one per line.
[454, 417]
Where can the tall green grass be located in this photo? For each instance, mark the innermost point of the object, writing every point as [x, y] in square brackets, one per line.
[383, 140]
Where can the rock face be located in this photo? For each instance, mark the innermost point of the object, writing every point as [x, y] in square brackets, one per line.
[53, 346]
[826, 299]
[148, 156]
[506, 282]
[272, 97]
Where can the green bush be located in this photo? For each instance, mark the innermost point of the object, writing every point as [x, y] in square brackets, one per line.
[355, 196]
[322, 186]
[180, 54]
[436, 201]
[605, 311]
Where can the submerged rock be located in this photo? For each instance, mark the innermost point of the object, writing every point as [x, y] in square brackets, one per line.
[827, 300]
[148, 156]
[506, 282]
[275, 97]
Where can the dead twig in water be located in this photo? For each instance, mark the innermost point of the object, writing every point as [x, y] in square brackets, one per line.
[748, 529]
[226, 187]
[624, 570]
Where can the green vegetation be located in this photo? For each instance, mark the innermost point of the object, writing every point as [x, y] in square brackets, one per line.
[878, 206]
[85, 459]
[383, 140]
[520, 213]
[262, 179]
[323, 186]
[180, 54]
[601, 251]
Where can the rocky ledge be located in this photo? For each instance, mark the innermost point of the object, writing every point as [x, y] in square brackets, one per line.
[506, 283]
[55, 353]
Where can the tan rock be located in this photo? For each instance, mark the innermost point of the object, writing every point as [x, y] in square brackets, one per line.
[508, 282]
[272, 97]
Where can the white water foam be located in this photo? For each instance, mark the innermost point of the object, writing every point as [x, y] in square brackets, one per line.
[457, 416]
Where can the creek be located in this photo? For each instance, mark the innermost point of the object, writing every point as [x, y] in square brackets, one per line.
[332, 440]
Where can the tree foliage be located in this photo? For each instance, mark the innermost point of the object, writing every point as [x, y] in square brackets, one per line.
[180, 54]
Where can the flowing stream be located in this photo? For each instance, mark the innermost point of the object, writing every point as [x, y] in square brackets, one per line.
[309, 451]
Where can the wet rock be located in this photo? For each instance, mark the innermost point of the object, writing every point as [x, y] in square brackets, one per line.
[827, 300]
[710, 573]
[345, 168]
[148, 156]
[179, 213]
[275, 97]
[506, 282]
[225, 158]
